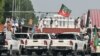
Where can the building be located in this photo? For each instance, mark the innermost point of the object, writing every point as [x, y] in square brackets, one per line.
[92, 18]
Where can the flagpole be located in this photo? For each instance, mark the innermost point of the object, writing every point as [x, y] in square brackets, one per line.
[68, 23]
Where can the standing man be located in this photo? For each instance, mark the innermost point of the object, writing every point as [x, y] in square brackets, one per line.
[56, 23]
[19, 28]
[76, 22]
[89, 34]
[41, 25]
[83, 30]
[9, 31]
[33, 29]
[51, 22]
[95, 34]
[95, 30]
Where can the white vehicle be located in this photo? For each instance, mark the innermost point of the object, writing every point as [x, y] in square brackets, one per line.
[39, 43]
[22, 38]
[8, 45]
[66, 43]
[3, 43]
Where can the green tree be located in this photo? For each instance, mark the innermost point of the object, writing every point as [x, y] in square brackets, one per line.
[1, 10]
[7, 8]
[19, 5]
[26, 5]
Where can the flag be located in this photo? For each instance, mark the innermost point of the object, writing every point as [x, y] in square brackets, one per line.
[64, 11]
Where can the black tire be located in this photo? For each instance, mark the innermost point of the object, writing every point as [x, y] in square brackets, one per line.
[55, 53]
[18, 53]
[10, 53]
[88, 50]
[25, 52]
[47, 53]
[29, 53]
[93, 54]
[84, 52]
[22, 51]
[98, 54]
[64, 54]
[75, 51]
[0, 53]
[39, 53]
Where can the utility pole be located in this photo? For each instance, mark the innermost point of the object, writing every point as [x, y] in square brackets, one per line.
[19, 8]
[13, 7]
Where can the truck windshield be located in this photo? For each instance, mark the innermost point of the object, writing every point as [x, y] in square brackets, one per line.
[21, 36]
[40, 36]
[64, 36]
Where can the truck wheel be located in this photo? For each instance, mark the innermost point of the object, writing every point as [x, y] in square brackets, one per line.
[84, 51]
[75, 51]
[83, 54]
[10, 53]
[93, 54]
[19, 52]
[22, 50]
[55, 53]
[39, 53]
[98, 54]
[47, 53]
[64, 54]
[0, 53]
[29, 53]
[88, 50]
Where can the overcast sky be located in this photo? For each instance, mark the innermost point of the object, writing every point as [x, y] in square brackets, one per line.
[78, 7]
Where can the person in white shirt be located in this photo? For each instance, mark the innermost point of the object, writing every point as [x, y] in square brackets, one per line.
[86, 37]
[8, 34]
[41, 25]
[9, 31]
[83, 30]
[56, 23]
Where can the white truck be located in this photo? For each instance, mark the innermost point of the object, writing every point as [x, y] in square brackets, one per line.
[22, 38]
[39, 43]
[3, 43]
[8, 45]
[69, 42]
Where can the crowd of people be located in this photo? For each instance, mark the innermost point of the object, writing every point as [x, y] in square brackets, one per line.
[11, 26]
[90, 34]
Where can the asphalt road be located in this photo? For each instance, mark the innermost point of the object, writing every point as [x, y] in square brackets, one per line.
[41, 55]
[45, 55]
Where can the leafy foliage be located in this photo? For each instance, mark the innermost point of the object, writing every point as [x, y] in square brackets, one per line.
[16, 5]
[1, 10]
